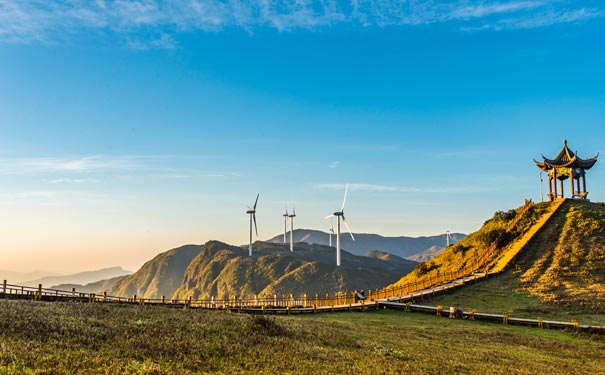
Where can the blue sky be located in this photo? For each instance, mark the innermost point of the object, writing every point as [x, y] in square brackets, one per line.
[130, 127]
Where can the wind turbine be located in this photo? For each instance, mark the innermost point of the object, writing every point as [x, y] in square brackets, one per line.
[448, 237]
[285, 223]
[331, 229]
[252, 213]
[292, 227]
[338, 215]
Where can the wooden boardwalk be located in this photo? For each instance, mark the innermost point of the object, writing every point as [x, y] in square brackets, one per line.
[401, 298]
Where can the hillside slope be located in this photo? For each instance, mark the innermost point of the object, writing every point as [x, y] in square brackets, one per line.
[565, 263]
[559, 274]
[464, 254]
[222, 270]
[401, 246]
[160, 276]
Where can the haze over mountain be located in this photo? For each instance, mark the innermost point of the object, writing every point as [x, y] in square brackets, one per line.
[402, 246]
[427, 254]
[80, 278]
[19, 277]
[96, 287]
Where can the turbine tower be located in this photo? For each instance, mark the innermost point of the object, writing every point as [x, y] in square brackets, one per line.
[338, 215]
[285, 223]
[252, 213]
[448, 237]
[331, 230]
[292, 228]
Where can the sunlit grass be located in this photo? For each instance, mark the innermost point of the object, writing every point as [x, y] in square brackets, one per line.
[71, 338]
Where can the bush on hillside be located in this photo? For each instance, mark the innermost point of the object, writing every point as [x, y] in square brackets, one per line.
[460, 248]
[425, 267]
[502, 216]
[488, 237]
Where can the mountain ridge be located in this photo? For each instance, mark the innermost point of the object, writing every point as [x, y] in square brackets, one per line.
[223, 270]
[402, 246]
[80, 278]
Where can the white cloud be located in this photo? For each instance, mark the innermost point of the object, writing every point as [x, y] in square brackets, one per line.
[409, 189]
[334, 164]
[147, 24]
[52, 164]
[366, 187]
[71, 180]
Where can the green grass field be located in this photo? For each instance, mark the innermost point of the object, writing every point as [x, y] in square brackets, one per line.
[73, 338]
[504, 293]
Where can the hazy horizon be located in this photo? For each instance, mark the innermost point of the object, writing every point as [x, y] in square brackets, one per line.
[129, 128]
[136, 266]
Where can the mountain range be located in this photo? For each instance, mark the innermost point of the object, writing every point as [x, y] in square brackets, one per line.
[17, 278]
[221, 270]
[80, 278]
[97, 287]
[402, 246]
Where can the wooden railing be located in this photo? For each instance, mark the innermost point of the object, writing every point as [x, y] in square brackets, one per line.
[471, 272]
[290, 305]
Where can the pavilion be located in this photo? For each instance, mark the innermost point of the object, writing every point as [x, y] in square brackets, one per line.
[566, 165]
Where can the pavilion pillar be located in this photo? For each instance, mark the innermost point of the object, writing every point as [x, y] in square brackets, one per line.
[550, 197]
[562, 192]
[573, 193]
[554, 182]
[578, 185]
[584, 181]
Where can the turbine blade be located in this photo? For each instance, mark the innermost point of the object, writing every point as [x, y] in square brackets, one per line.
[256, 201]
[344, 200]
[255, 227]
[329, 216]
[348, 227]
[293, 210]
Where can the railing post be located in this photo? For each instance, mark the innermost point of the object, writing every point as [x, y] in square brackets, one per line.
[4, 287]
[134, 298]
[105, 296]
[163, 300]
[73, 292]
[39, 293]
[305, 300]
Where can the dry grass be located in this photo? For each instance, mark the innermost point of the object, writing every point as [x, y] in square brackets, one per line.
[71, 338]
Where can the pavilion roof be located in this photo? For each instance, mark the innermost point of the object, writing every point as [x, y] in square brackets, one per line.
[566, 159]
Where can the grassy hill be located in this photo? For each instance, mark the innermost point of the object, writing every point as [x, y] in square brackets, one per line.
[464, 253]
[560, 274]
[73, 338]
[160, 276]
[222, 270]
